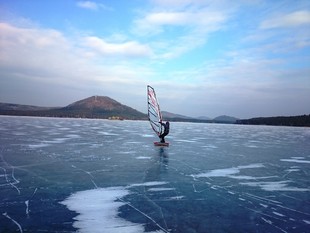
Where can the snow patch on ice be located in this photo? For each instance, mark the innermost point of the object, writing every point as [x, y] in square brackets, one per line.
[143, 157]
[176, 198]
[279, 214]
[210, 146]
[292, 170]
[14, 221]
[275, 186]
[108, 133]
[151, 183]
[306, 221]
[182, 140]
[27, 207]
[295, 160]
[98, 211]
[218, 173]
[160, 189]
[229, 172]
[35, 146]
[73, 136]
[58, 140]
[263, 205]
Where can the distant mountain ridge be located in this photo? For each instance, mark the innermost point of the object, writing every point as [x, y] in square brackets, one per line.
[219, 119]
[104, 107]
[20, 107]
[170, 115]
[99, 107]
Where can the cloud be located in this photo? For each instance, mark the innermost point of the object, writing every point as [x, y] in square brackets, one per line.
[130, 48]
[88, 5]
[172, 2]
[44, 67]
[203, 20]
[179, 31]
[28, 48]
[285, 34]
[294, 19]
[180, 49]
[186, 3]
[92, 5]
[167, 18]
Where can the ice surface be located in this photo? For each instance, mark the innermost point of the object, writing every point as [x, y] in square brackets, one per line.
[78, 175]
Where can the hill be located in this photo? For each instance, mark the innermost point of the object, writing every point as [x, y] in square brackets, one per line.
[92, 107]
[101, 107]
[96, 102]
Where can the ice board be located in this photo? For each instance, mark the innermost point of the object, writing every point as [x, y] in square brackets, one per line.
[161, 143]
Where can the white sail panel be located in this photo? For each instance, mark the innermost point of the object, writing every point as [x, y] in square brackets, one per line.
[154, 113]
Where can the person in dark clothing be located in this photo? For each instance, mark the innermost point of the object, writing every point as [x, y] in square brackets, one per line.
[166, 131]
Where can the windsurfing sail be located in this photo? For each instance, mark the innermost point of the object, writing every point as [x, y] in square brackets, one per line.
[154, 113]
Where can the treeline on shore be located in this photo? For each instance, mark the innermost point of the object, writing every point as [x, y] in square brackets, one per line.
[65, 113]
[303, 120]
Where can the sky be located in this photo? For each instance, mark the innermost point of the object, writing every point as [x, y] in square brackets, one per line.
[243, 58]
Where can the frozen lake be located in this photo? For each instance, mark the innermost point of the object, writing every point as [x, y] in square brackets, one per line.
[68, 175]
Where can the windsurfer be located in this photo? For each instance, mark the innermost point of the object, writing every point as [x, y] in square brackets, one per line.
[166, 131]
